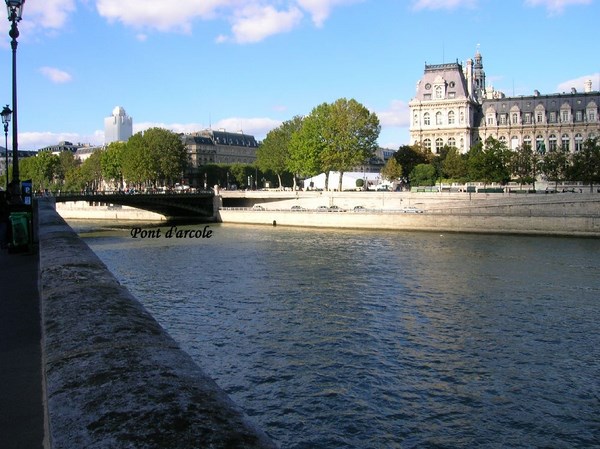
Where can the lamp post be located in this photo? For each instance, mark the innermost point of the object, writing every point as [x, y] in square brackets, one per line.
[6, 112]
[15, 11]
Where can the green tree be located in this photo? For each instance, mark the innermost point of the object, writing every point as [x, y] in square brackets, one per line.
[67, 163]
[423, 175]
[274, 152]
[586, 163]
[555, 165]
[334, 137]
[524, 162]
[91, 172]
[392, 170]
[410, 156]
[454, 165]
[111, 162]
[490, 163]
[166, 148]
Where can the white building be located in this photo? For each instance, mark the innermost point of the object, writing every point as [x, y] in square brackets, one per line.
[118, 127]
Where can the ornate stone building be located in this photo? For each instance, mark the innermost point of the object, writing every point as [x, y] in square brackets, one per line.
[454, 107]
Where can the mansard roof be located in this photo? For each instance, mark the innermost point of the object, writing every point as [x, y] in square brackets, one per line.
[552, 102]
[451, 75]
[210, 137]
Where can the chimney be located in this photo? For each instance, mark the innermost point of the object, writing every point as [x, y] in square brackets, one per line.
[588, 86]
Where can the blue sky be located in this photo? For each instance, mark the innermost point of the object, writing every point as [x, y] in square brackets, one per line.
[250, 64]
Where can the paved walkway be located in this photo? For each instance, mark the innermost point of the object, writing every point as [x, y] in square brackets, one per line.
[21, 410]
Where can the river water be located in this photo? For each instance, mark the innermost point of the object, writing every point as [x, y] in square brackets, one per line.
[337, 339]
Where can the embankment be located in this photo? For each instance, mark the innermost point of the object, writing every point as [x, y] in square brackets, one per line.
[569, 215]
[113, 377]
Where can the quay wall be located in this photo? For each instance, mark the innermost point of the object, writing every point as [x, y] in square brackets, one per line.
[113, 377]
[569, 215]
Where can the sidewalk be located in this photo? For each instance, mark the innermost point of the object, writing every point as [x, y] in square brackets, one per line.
[21, 409]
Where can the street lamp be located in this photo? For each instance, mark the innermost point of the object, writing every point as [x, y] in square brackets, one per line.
[6, 112]
[15, 11]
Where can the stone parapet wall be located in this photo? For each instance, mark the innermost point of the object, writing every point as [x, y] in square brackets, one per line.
[113, 377]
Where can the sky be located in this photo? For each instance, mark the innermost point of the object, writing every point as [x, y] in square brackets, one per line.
[249, 65]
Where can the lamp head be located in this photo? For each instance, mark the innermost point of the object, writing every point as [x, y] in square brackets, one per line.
[15, 9]
[6, 114]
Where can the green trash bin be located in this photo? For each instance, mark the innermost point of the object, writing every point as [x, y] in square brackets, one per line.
[19, 229]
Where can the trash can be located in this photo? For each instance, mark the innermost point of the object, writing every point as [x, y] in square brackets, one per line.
[20, 235]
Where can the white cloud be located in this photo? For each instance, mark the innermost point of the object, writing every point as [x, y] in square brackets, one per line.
[52, 14]
[579, 83]
[257, 127]
[443, 4]
[56, 75]
[321, 9]
[37, 140]
[254, 23]
[397, 115]
[556, 6]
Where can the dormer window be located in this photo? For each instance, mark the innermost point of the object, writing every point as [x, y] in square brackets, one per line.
[439, 92]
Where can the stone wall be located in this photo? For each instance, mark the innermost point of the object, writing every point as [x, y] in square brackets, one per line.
[113, 377]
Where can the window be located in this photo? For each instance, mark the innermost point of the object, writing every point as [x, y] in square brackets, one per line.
[578, 116]
[451, 94]
[451, 118]
[527, 118]
[553, 117]
[452, 142]
[552, 141]
[515, 118]
[503, 119]
[426, 119]
[564, 116]
[591, 116]
[490, 119]
[438, 118]
[439, 144]
[527, 141]
[438, 92]
[565, 142]
[426, 96]
[462, 117]
[578, 142]
[416, 119]
[539, 117]
[427, 144]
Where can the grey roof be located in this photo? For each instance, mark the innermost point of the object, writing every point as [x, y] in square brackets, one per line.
[451, 74]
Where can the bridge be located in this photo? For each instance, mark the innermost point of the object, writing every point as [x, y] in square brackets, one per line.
[194, 205]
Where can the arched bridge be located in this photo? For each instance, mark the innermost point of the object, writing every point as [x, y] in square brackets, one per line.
[196, 205]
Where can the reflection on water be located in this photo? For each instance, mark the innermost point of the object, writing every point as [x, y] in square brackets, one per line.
[350, 339]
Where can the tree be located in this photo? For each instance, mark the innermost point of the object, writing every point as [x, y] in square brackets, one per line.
[410, 156]
[555, 165]
[67, 164]
[91, 171]
[392, 170]
[423, 175]
[334, 137]
[351, 136]
[524, 162]
[111, 162]
[586, 163]
[274, 152]
[489, 163]
[454, 165]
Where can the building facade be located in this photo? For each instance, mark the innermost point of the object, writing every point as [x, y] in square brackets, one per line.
[118, 127]
[454, 107]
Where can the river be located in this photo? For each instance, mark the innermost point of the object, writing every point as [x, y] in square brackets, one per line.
[338, 339]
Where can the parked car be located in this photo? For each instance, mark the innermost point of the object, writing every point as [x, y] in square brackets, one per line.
[297, 208]
[322, 209]
[412, 210]
[335, 208]
[257, 207]
[359, 208]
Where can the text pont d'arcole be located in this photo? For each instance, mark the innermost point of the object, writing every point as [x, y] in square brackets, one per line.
[172, 232]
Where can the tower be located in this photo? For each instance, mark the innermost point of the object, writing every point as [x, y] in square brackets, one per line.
[478, 76]
[118, 127]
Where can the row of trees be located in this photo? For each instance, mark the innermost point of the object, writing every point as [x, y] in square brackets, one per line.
[151, 158]
[493, 161]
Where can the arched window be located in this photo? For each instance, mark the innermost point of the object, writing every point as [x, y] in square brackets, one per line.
[527, 141]
[439, 144]
[438, 92]
[451, 118]
[578, 142]
[427, 144]
[426, 119]
[552, 142]
[438, 118]
[452, 142]
[416, 119]
[565, 142]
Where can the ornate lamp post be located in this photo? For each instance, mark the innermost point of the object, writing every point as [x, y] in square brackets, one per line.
[6, 113]
[15, 11]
